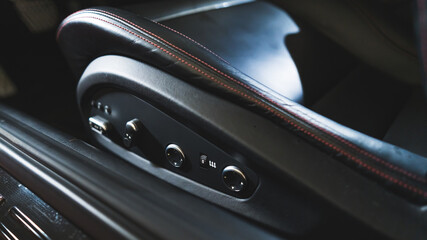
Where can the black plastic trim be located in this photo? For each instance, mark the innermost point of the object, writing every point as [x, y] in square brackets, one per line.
[104, 196]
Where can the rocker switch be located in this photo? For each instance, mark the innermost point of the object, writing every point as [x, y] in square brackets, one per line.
[99, 125]
[133, 129]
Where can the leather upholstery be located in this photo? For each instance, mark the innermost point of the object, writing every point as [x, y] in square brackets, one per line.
[365, 30]
[253, 45]
[91, 33]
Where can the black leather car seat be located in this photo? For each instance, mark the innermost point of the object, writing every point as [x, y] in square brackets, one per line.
[96, 32]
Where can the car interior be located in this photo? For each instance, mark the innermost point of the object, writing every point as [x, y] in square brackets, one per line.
[213, 119]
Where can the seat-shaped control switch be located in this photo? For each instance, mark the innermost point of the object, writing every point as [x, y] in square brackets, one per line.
[133, 129]
[99, 125]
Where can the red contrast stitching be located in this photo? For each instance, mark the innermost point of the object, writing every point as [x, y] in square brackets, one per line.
[381, 161]
[260, 103]
[194, 41]
[69, 19]
[173, 30]
[162, 39]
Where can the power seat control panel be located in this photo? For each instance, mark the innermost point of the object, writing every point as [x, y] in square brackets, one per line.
[124, 123]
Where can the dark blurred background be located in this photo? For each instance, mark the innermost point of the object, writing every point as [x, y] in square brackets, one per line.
[31, 64]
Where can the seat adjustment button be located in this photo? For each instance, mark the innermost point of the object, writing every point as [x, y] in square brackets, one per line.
[99, 125]
[133, 129]
[234, 178]
[175, 155]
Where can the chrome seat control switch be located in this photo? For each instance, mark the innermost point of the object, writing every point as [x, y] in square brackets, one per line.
[99, 125]
[175, 155]
[234, 178]
[133, 129]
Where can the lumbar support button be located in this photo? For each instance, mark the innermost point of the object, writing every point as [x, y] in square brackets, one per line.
[175, 155]
[133, 129]
[234, 178]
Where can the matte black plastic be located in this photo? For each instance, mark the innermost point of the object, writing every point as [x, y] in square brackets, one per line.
[159, 131]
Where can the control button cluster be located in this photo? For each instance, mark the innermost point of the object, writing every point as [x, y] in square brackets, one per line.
[146, 132]
[233, 178]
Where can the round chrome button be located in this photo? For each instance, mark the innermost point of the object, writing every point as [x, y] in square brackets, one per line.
[234, 178]
[175, 155]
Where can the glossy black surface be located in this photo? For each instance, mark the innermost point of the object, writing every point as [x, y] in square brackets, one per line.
[105, 196]
[26, 216]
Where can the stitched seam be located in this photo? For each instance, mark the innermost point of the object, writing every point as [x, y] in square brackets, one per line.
[194, 41]
[272, 110]
[171, 29]
[162, 39]
[322, 128]
[389, 165]
[66, 21]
